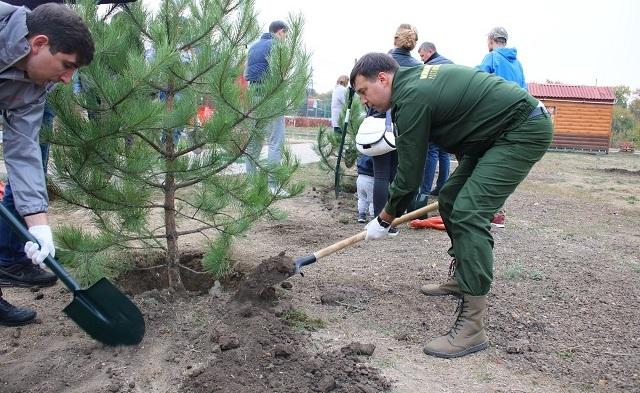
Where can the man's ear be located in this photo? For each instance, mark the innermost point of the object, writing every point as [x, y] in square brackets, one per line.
[38, 42]
[383, 77]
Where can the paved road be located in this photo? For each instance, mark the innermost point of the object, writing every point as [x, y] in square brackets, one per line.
[303, 151]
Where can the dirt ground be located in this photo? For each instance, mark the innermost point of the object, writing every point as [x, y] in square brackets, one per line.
[563, 311]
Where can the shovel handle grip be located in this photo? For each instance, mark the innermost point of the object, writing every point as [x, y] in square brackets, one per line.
[21, 230]
[360, 236]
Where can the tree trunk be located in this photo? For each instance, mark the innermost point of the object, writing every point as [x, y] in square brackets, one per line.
[173, 260]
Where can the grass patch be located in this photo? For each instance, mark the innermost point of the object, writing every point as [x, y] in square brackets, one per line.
[635, 266]
[632, 199]
[536, 275]
[514, 271]
[299, 320]
[565, 355]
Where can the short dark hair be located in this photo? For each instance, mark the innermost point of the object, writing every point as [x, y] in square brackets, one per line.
[425, 46]
[66, 31]
[277, 25]
[371, 64]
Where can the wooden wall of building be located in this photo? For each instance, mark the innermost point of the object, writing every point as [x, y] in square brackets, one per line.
[580, 125]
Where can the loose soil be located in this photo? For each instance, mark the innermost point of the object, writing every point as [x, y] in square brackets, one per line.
[563, 314]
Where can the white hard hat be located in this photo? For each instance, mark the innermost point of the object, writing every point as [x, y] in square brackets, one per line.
[373, 138]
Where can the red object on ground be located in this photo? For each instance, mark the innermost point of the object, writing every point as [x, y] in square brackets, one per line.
[1, 190]
[434, 222]
[498, 219]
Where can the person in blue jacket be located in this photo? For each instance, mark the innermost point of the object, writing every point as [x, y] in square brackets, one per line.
[500, 60]
[257, 66]
[503, 62]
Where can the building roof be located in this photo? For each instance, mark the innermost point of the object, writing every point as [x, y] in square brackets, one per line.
[587, 93]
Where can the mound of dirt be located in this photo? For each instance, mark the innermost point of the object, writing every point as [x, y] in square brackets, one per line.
[257, 351]
[257, 286]
[260, 353]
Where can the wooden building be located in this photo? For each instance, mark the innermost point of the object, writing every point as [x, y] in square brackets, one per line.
[581, 115]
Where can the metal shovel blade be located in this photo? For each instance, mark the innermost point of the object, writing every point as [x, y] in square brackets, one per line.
[106, 314]
[102, 311]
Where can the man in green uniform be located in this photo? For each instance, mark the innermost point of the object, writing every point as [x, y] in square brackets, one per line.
[500, 132]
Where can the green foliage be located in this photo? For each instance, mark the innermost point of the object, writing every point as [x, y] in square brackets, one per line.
[114, 154]
[299, 320]
[626, 116]
[514, 271]
[215, 260]
[625, 127]
[622, 94]
[634, 108]
[91, 257]
[536, 275]
[565, 355]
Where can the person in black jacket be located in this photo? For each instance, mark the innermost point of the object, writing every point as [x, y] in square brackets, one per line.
[384, 166]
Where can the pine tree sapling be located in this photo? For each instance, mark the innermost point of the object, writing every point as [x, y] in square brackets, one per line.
[328, 141]
[128, 150]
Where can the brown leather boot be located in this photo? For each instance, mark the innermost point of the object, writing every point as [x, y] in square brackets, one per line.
[450, 287]
[467, 334]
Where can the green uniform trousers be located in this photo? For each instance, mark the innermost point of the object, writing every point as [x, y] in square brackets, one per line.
[478, 188]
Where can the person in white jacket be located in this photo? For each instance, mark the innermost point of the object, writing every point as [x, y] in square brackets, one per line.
[40, 48]
[338, 98]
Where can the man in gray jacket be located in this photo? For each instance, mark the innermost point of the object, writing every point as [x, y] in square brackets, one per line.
[39, 48]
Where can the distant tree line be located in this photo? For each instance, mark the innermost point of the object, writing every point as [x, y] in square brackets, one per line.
[626, 115]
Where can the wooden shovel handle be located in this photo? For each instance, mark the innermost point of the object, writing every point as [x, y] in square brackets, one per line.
[360, 236]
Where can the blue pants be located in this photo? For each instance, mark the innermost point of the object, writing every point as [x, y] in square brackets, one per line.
[12, 245]
[275, 136]
[384, 171]
[435, 156]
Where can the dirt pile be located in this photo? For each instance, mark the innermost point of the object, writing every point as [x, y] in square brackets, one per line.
[258, 285]
[255, 350]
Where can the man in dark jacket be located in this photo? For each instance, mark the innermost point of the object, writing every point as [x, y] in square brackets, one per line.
[40, 48]
[257, 66]
[430, 55]
[436, 156]
[499, 130]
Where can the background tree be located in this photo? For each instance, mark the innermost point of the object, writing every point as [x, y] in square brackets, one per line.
[626, 116]
[622, 94]
[123, 163]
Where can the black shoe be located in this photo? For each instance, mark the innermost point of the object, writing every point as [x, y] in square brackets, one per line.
[26, 275]
[11, 315]
[435, 192]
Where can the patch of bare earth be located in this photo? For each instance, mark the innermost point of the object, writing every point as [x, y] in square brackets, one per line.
[563, 313]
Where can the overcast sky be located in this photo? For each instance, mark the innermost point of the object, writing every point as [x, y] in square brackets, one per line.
[584, 42]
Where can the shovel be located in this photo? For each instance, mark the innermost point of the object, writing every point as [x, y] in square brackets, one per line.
[102, 311]
[309, 259]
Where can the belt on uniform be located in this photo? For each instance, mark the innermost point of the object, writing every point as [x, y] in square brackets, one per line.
[537, 111]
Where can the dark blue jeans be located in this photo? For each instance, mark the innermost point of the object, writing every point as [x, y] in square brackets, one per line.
[435, 156]
[12, 245]
[384, 171]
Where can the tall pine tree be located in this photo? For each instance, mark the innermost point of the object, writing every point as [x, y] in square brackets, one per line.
[116, 152]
